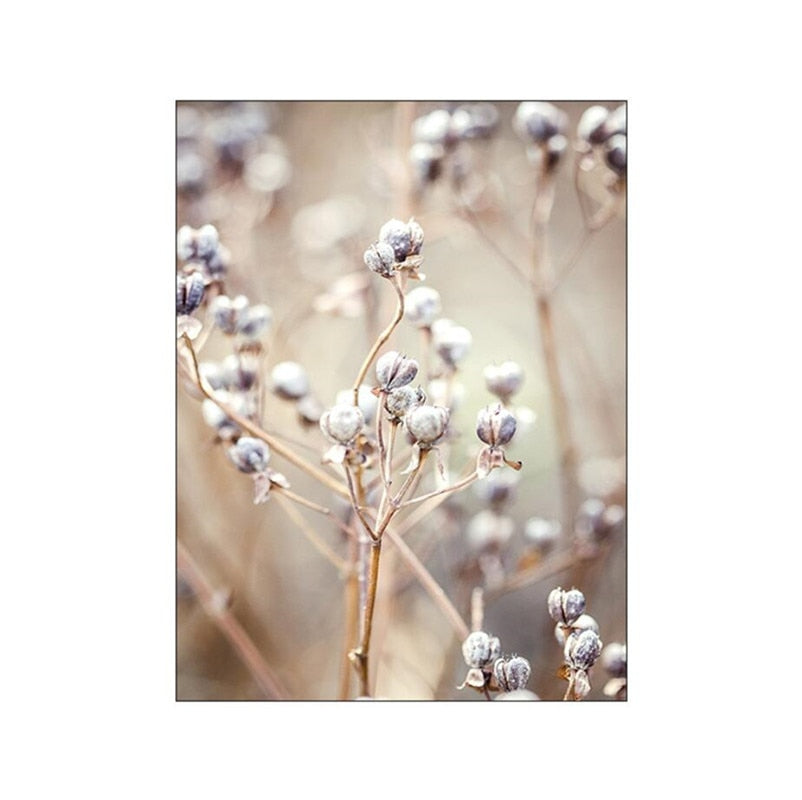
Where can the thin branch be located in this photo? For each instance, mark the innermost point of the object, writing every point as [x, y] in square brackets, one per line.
[230, 627]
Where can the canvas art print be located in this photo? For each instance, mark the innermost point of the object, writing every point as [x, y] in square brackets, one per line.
[401, 400]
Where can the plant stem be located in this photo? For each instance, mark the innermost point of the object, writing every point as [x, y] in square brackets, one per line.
[359, 657]
[229, 626]
[383, 337]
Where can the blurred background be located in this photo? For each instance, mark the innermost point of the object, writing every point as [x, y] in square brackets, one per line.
[297, 192]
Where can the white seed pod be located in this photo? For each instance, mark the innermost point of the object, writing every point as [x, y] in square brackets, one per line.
[451, 342]
[512, 673]
[504, 380]
[401, 400]
[591, 127]
[614, 659]
[474, 121]
[584, 622]
[495, 426]
[309, 410]
[216, 418]
[289, 380]
[582, 649]
[445, 392]
[367, 401]
[213, 374]
[433, 127]
[486, 529]
[399, 236]
[542, 533]
[342, 423]
[202, 243]
[539, 121]
[380, 258]
[566, 606]
[240, 372]
[394, 370]
[518, 694]
[254, 320]
[616, 122]
[426, 424]
[555, 148]
[189, 291]
[427, 161]
[249, 454]
[422, 306]
[481, 649]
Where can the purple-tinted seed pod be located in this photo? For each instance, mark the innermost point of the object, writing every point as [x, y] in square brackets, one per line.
[289, 380]
[394, 370]
[542, 533]
[582, 649]
[512, 673]
[481, 649]
[255, 320]
[504, 380]
[207, 241]
[426, 424]
[189, 291]
[452, 342]
[495, 426]
[240, 372]
[566, 606]
[615, 153]
[399, 236]
[227, 313]
[474, 121]
[584, 622]
[539, 121]
[190, 172]
[498, 488]
[380, 257]
[342, 423]
[213, 374]
[249, 454]
[399, 401]
[422, 306]
[591, 127]
[427, 161]
[185, 242]
[415, 237]
[614, 659]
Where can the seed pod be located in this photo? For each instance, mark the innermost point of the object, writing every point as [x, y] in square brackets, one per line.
[367, 401]
[228, 313]
[290, 380]
[342, 423]
[615, 153]
[201, 243]
[582, 649]
[542, 533]
[254, 320]
[426, 423]
[452, 342]
[398, 235]
[427, 161]
[616, 122]
[415, 237]
[517, 694]
[512, 673]
[380, 258]
[189, 291]
[399, 401]
[422, 306]
[555, 148]
[495, 426]
[566, 606]
[503, 380]
[584, 622]
[309, 410]
[474, 121]
[614, 659]
[498, 488]
[539, 121]
[394, 370]
[213, 374]
[480, 649]
[249, 454]
[216, 418]
[486, 530]
[581, 684]
[240, 372]
[591, 127]
[433, 127]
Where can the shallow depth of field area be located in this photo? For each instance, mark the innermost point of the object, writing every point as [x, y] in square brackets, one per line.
[329, 548]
